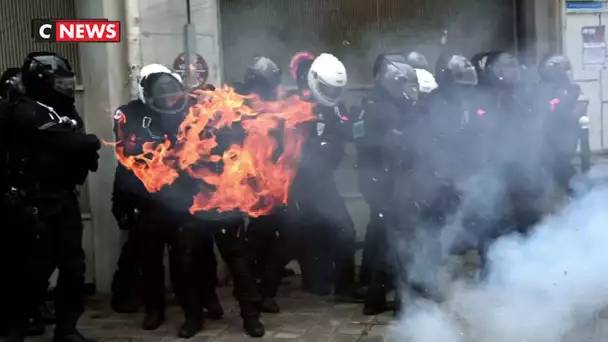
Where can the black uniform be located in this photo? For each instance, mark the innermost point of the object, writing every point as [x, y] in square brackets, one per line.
[128, 196]
[228, 232]
[443, 147]
[504, 160]
[46, 133]
[154, 222]
[381, 134]
[8, 237]
[324, 220]
[266, 235]
[556, 103]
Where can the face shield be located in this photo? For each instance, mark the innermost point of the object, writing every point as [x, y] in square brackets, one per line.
[417, 61]
[164, 93]
[462, 71]
[328, 91]
[557, 69]
[266, 71]
[57, 72]
[506, 69]
[399, 80]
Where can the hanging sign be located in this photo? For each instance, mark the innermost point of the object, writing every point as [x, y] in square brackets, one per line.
[200, 67]
[594, 46]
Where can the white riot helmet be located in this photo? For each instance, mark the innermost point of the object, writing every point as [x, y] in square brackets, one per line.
[161, 89]
[426, 80]
[326, 79]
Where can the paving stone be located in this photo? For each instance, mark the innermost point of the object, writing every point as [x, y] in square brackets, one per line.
[351, 329]
[344, 338]
[378, 330]
[315, 338]
[371, 339]
[284, 335]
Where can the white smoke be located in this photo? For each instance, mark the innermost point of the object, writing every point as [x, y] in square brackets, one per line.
[539, 288]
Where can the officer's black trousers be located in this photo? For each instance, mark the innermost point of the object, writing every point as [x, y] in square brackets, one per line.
[229, 236]
[373, 240]
[269, 246]
[329, 237]
[158, 229]
[54, 222]
[127, 281]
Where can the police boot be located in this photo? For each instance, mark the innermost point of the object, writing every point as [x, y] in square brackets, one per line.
[214, 307]
[269, 305]
[252, 326]
[192, 325]
[375, 303]
[153, 319]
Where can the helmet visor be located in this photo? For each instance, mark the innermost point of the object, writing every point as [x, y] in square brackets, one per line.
[65, 85]
[329, 92]
[165, 94]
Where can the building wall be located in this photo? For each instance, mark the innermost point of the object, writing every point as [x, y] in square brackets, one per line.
[162, 32]
[594, 80]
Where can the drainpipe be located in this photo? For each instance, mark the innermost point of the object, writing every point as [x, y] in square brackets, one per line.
[190, 45]
[135, 59]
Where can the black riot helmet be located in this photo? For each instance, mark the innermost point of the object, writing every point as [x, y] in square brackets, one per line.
[502, 69]
[11, 85]
[396, 77]
[417, 60]
[46, 74]
[555, 69]
[164, 93]
[455, 69]
[263, 76]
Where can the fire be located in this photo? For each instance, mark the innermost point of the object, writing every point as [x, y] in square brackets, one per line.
[246, 174]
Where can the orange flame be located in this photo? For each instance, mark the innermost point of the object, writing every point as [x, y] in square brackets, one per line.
[247, 176]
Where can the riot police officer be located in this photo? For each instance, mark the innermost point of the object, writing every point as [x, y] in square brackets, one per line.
[127, 283]
[266, 235]
[325, 221]
[383, 152]
[13, 89]
[9, 238]
[432, 179]
[557, 101]
[152, 220]
[46, 133]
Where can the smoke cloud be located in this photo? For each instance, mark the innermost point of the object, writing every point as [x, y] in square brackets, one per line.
[539, 287]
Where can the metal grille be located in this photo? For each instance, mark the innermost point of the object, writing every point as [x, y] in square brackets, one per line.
[16, 42]
[357, 30]
[15, 29]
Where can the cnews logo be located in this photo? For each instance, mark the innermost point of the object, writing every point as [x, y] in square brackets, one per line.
[70, 30]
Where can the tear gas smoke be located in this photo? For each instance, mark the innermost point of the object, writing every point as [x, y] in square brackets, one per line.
[539, 288]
